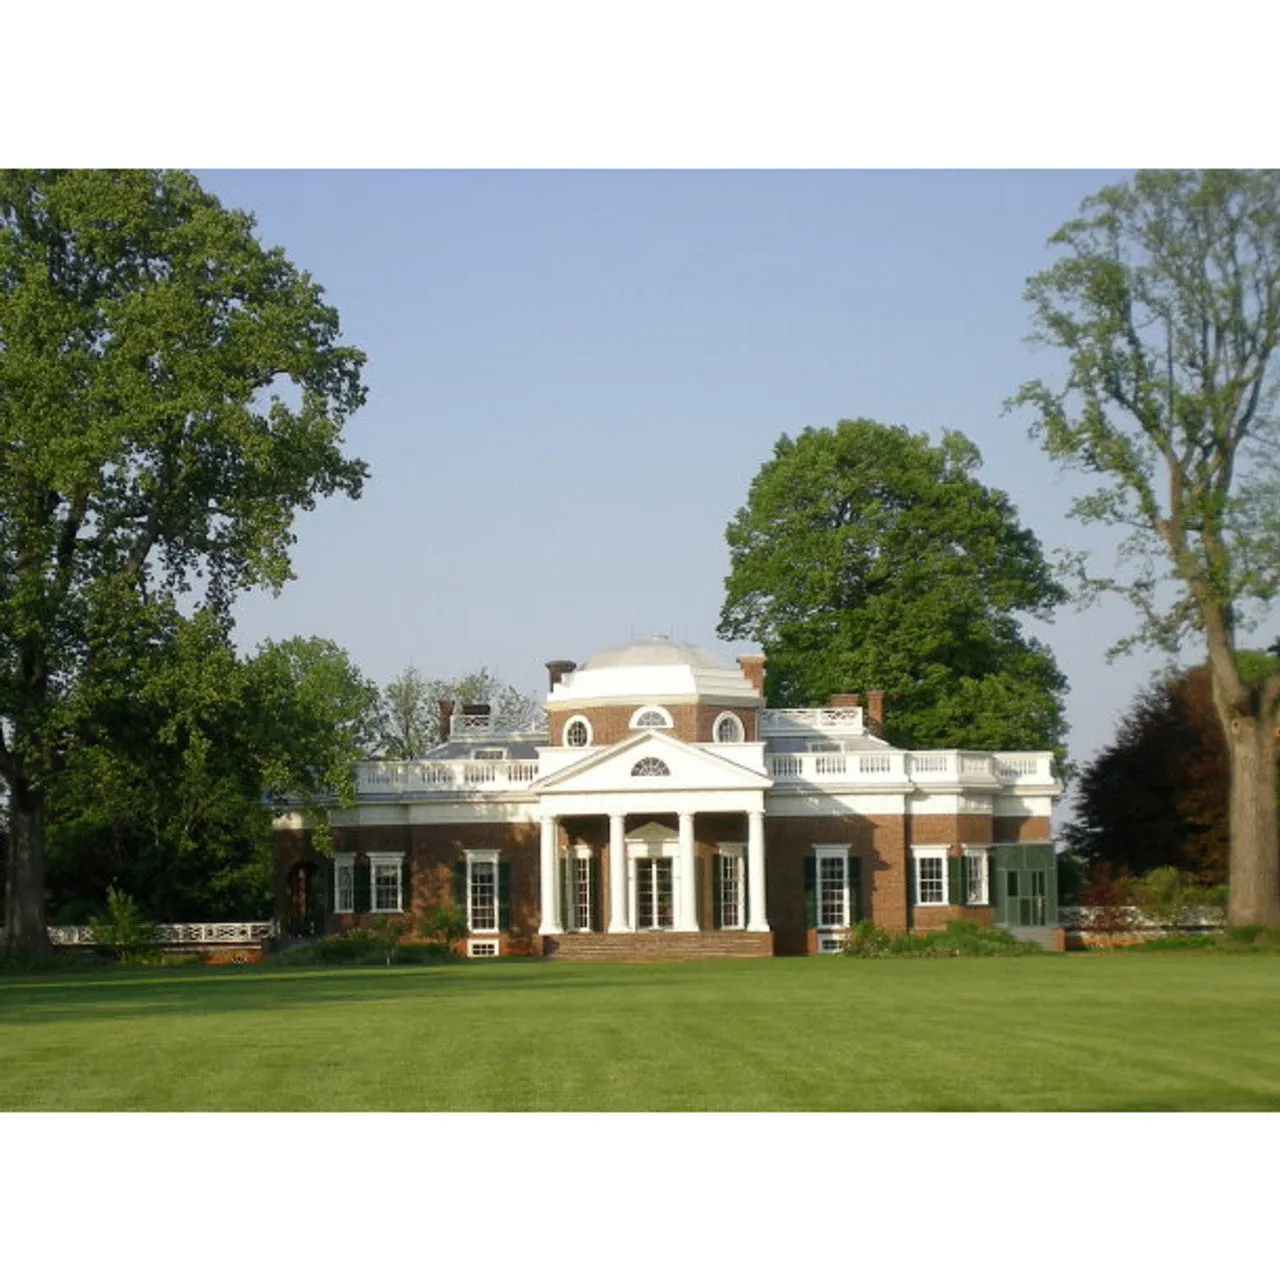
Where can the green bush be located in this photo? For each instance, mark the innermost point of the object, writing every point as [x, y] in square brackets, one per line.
[1247, 934]
[1170, 897]
[868, 941]
[121, 930]
[444, 926]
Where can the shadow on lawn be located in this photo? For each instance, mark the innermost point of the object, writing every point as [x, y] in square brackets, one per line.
[136, 993]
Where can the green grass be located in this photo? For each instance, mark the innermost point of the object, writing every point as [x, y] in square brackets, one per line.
[1077, 1032]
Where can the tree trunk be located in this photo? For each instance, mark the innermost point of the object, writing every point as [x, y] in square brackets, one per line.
[1254, 893]
[25, 918]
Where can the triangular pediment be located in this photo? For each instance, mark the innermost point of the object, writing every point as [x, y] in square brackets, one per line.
[652, 833]
[637, 764]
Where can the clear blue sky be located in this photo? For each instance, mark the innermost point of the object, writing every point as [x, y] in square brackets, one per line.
[574, 376]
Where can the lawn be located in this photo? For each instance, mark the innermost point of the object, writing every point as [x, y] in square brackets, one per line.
[1171, 1031]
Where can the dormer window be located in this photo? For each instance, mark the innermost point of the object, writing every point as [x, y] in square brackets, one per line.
[489, 753]
[650, 767]
[577, 733]
[728, 728]
[651, 718]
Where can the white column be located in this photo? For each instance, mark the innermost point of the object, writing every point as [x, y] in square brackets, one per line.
[547, 869]
[618, 874]
[757, 920]
[686, 904]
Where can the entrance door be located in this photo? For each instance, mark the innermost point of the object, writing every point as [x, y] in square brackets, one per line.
[655, 893]
[1026, 897]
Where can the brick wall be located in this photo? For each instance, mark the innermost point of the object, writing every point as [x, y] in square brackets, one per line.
[691, 722]
[1014, 830]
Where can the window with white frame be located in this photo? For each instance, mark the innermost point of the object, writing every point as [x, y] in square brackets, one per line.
[482, 891]
[344, 882]
[651, 718]
[832, 886]
[731, 888]
[931, 876]
[386, 876]
[728, 728]
[489, 753]
[580, 890]
[650, 767]
[577, 732]
[976, 885]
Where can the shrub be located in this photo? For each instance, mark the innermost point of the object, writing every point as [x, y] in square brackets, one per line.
[121, 930]
[444, 926]
[1172, 898]
[960, 938]
[1109, 896]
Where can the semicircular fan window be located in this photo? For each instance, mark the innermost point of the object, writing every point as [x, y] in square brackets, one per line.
[650, 767]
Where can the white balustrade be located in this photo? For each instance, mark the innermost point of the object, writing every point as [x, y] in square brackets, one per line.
[929, 768]
[838, 720]
[382, 777]
[214, 934]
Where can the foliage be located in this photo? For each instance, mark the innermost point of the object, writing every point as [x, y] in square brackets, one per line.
[386, 934]
[171, 393]
[1170, 897]
[1158, 795]
[1166, 302]
[163, 793]
[444, 925]
[867, 558]
[382, 942]
[1108, 894]
[121, 930]
[409, 723]
[868, 940]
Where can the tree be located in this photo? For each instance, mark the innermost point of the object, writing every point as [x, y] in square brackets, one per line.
[409, 712]
[1166, 303]
[164, 797]
[171, 393]
[868, 558]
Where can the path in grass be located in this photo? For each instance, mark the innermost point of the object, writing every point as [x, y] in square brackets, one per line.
[1135, 1032]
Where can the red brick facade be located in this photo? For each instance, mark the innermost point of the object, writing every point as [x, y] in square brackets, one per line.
[691, 722]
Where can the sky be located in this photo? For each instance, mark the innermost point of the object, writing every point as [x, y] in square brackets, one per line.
[574, 376]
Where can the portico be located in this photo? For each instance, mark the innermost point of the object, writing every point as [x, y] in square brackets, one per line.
[629, 814]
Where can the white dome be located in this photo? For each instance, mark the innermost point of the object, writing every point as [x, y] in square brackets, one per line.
[653, 668]
[653, 651]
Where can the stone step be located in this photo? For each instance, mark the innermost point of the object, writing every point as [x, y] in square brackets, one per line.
[656, 946]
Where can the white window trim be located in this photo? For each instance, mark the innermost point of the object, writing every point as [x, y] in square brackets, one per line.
[918, 853]
[568, 725]
[982, 853]
[582, 853]
[475, 856]
[842, 852]
[728, 717]
[480, 948]
[739, 853]
[382, 860]
[344, 862]
[667, 721]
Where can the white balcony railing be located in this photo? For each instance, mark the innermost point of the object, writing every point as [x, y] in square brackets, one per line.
[877, 768]
[390, 777]
[797, 720]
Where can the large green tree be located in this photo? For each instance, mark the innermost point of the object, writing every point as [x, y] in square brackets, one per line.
[867, 557]
[1165, 301]
[171, 394]
[409, 722]
[164, 795]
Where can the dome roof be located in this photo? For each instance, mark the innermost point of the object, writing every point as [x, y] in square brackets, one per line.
[650, 669]
[653, 651]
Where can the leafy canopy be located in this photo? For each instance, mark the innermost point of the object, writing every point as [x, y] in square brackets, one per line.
[866, 558]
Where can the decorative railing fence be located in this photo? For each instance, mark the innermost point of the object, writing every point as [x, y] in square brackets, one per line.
[377, 777]
[875, 768]
[1131, 919]
[178, 935]
[838, 720]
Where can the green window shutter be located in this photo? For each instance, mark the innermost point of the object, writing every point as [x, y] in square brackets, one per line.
[460, 884]
[855, 888]
[406, 884]
[811, 892]
[504, 895]
[363, 877]
[955, 881]
[716, 863]
[700, 879]
[567, 866]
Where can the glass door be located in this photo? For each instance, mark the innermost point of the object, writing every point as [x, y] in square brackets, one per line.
[655, 893]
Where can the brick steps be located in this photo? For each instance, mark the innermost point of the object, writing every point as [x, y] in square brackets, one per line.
[656, 946]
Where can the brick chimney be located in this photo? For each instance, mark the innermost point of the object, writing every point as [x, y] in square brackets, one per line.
[875, 708]
[446, 718]
[844, 700]
[752, 665]
[557, 669]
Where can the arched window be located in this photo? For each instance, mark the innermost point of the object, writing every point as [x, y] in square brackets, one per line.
[728, 728]
[650, 767]
[651, 718]
[577, 732]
